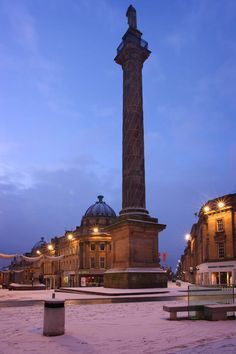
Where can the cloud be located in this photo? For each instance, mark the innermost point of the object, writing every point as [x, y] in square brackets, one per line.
[28, 57]
[12, 180]
[23, 25]
[55, 202]
[104, 10]
[177, 41]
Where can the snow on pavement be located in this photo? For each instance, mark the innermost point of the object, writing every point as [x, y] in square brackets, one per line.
[123, 328]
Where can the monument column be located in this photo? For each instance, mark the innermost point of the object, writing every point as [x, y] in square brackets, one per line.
[134, 235]
[131, 54]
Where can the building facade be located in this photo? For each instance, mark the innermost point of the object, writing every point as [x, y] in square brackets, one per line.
[78, 258]
[210, 255]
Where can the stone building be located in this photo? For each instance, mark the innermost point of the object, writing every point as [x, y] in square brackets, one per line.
[210, 255]
[86, 250]
[78, 258]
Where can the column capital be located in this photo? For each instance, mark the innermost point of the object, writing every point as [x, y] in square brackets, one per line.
[132, 46]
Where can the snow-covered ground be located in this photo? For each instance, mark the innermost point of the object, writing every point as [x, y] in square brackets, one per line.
[172, 290]
[123, 328]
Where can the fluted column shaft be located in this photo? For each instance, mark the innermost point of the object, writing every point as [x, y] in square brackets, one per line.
[133, 182]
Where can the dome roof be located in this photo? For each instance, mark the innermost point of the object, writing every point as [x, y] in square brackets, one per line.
[100, 208]
[39, 244]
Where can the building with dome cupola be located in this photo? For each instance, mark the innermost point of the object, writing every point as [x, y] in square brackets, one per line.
[86, 250]
[80, 257]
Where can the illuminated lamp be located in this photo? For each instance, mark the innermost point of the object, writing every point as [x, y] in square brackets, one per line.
[206, 208]
[187, 237]
[221, 205]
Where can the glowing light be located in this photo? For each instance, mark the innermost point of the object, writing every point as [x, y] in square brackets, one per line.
[221, 204]
[206, 208]
[70, 237]
[187, 237]
[95, 230]
[50, 247]
[38, 252]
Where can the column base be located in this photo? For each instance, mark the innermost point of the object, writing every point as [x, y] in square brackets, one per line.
[134, 211]
[135, 278]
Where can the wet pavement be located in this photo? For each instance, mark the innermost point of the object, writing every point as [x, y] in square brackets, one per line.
[22, 303]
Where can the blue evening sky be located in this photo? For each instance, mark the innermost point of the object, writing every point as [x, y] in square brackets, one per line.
[61, 112]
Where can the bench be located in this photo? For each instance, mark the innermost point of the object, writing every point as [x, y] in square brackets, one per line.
[218, 311]
[174, 309]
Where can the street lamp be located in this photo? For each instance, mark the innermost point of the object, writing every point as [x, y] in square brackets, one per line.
[70, 237]
[187, 237]
[206, 208]
[221, 204]
[50, 247]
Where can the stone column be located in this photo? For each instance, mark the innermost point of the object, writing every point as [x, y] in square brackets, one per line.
[131, 55]
[135, 261]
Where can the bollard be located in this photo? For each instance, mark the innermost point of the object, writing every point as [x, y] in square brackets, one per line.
[54, 318]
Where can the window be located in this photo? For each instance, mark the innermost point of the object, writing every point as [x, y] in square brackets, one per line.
[220, 225]
[92, 262]
[102, 246]
[102, 262]
[92, 246]
[221, 250]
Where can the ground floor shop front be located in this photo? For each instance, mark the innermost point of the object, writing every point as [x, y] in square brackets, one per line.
[218, 273]
[82, 278]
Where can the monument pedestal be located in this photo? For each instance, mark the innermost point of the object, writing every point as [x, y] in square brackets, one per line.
[135, 254]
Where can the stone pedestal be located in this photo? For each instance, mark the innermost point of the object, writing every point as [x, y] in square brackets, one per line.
[135, 255]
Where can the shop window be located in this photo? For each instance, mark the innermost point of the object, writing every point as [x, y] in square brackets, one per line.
[221, 250]
[102, 262]
[220, 225]
[223, 278]
[92, 247]
[102, 246]
[92, 262]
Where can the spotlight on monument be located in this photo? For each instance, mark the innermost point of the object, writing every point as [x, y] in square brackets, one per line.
[38, 252]
[95, 230]
[70, 237]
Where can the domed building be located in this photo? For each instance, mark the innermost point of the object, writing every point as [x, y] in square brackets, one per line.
[99, 213]
[78, 258]
[87, 249]
[39, 246]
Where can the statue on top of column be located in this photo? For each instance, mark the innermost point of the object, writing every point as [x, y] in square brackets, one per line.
[132, 18]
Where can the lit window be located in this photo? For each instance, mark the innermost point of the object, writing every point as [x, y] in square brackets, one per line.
[102, 262]
[92, 262]
[92, 246]
[220, 225]
[102, 246]
[221, 250]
